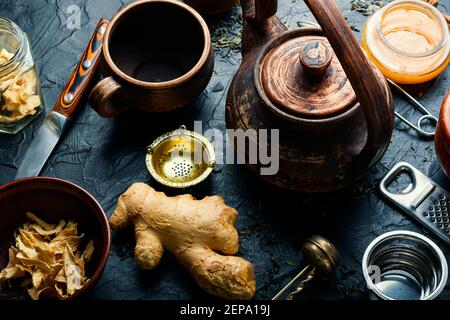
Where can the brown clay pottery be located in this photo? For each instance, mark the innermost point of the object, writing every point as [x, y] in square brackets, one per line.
[157, 57]
[211, 7]
[52, 200]
[442, 136]
[334, 108]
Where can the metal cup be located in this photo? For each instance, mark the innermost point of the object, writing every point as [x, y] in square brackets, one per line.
[404, 265]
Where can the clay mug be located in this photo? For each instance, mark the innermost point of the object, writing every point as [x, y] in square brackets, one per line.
[157, 56]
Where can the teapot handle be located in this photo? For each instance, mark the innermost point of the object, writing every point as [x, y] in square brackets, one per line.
[372, 92]
[259, 10]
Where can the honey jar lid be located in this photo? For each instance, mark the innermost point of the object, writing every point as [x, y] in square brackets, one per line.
[302, 76]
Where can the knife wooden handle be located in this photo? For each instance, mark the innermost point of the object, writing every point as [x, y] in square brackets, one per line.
[78, 85]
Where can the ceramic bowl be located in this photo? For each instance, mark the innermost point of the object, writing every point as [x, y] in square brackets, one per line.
[52, 200]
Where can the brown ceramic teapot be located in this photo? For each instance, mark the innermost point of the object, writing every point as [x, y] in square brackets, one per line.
[211, 7]
[333, 108]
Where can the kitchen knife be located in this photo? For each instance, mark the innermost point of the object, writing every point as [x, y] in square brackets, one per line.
[65, 108]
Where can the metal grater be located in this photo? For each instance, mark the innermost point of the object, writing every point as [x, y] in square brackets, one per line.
[423, 200]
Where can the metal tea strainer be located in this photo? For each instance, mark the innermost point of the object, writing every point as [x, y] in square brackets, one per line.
[180, 158]
[321, 257]
[404, 265]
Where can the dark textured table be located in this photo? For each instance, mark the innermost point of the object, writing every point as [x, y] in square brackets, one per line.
[106, 155]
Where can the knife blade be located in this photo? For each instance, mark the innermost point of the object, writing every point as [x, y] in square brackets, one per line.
[65, 109]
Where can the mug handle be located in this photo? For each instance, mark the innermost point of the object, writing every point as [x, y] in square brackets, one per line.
[101, 98]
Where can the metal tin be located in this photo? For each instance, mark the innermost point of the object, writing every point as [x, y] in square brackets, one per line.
[180, 158]
[404, 265]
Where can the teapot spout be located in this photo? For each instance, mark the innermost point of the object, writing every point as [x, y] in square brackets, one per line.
[260, 23]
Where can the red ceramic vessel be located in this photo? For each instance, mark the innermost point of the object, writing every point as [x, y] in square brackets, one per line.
[442, 137]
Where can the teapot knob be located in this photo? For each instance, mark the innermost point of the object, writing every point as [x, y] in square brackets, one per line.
[315, 58]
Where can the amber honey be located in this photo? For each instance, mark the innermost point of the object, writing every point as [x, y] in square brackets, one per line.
[408, 40]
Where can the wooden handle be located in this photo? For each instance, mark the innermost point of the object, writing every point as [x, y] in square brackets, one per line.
[259, 10]
[76, 88]
[101, 98]
[370, 89]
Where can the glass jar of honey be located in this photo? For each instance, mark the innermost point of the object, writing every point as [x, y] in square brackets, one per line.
[20, 91]
[408, 40]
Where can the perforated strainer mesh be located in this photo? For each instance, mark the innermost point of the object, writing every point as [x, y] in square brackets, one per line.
[180, 158]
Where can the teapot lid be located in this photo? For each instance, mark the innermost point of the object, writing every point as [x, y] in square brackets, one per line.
[301, 75]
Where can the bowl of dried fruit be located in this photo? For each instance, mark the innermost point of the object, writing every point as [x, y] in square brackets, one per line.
[54, 240]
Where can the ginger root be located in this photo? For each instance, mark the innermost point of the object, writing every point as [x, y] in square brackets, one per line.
[193, 230]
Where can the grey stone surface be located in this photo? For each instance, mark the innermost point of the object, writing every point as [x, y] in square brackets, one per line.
[106, 155]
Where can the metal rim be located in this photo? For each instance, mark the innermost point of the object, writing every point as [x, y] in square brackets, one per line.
[433, 246]
[193, 135]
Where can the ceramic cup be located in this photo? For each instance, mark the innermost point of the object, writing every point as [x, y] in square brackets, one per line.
[156, 57]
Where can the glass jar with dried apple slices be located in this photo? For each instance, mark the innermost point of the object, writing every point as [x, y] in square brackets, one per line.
[408, 40]
[20, 91]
